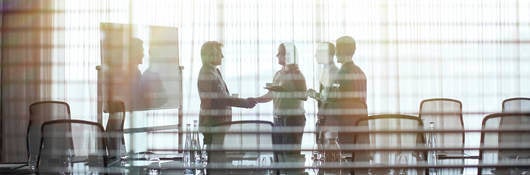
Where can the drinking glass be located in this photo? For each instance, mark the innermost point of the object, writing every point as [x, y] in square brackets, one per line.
[402, 159]
[266, 162]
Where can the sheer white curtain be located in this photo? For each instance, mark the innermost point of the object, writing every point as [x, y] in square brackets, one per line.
[76, 62]
[474, 51]
[77, 29]
[25, 69]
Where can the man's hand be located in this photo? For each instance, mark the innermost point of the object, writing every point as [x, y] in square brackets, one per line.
[250, 102]
[313, 94]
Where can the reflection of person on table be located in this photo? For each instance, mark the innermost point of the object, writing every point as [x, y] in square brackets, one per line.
[287, 93]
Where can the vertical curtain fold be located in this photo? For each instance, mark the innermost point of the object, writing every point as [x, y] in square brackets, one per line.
[27, 35]
[474, 51]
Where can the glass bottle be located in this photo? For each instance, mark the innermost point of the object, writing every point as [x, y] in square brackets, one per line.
[196, 148]
[204, 158]
[431, 144]
[32, 162]
[188, 153]
[68, 162]
[332, 152]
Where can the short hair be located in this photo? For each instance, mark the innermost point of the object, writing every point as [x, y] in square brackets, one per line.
[331, 48]
[136, 45]
[208, 49]
[345, 46]
[289, 46]
[136, 42]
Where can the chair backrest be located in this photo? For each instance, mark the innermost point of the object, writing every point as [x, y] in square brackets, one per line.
[445, 114]
[240, 140]
[74, 140]
[390, 142]
[519, 104]
[503, 140]
[40, 112]
[342, 116]
[114, 130]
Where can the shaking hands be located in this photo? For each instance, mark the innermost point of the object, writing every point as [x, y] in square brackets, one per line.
[313, 94]
[250, 102]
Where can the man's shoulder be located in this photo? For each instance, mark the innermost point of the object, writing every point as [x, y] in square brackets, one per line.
[350, 67]
[206, 75]
[206, 71]
[357, 69]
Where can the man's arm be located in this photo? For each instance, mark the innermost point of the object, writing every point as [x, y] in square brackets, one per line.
[264, 98]
[213, 94]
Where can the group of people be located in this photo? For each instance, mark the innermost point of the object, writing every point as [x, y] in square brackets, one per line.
[340, 91]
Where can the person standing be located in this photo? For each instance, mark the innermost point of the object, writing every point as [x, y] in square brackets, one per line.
[216, 102]
[349, 95]
[288, 94]
[351, 79]
[328, 71]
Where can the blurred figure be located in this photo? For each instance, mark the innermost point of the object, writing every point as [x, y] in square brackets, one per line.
[153, 89]
[216, 102]
[136, 56]
[328, 72]
[351, 80]
[349, 92]
[288, 93]
[121, 74]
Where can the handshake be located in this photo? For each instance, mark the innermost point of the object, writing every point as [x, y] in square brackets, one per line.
[250, 102]
[313, 94]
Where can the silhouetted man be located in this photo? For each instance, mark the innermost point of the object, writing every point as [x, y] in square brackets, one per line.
[349, 94]
[216, 102]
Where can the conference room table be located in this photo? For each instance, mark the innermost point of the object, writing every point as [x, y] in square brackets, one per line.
[142, 163]
[155, 164]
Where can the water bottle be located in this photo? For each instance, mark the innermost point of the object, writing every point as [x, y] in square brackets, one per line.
[332, 152]
[32, 162]
[188, 153]
[432, 154]
[204, 158]
[196, 148]
[68, 163]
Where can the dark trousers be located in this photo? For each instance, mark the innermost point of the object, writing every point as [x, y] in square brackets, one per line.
[289, 138]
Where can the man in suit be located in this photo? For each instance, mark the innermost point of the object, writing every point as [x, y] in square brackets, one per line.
[216, 102]
[351, 79]
[349, 94]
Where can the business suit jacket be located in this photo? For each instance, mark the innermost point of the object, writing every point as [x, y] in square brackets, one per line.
[347, 99]
[351, 82]
[216, 102]
[348, 91]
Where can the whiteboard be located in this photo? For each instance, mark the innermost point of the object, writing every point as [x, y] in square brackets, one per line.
[155, 82]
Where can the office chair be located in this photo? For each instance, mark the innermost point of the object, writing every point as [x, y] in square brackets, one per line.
[446, 114]
[40, 112]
